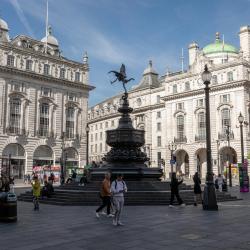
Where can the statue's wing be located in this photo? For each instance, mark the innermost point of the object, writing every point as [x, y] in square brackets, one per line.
[123, 70]
[112, 71]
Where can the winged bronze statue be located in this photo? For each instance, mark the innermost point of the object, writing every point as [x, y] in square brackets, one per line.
[121, 76]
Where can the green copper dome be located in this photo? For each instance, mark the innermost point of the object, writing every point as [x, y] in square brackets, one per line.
[218, 47]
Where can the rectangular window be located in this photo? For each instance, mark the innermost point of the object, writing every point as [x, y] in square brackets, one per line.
[225, 98]
[106, 124]
[96, 127]
[29, 64]
[44, 120]
[180, 106]
[77, 76]
[46, 69]
[15, 115]
[46, 92]
[230, 76]
[62, 73]
[71, 97]
[112, 123]
[100, 135]
[106, 147]
[95, 148]
[100, 147]
[158, 99]
[200, 102]
[100, 125]
[158, 114]
[70, 122]
[96, 136]
[10, 60]
[158, 141]
[158, 126]
[91, 137]
[91, 148]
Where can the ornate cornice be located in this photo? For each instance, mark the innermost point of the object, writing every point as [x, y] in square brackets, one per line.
[34, 75]
[214, 88]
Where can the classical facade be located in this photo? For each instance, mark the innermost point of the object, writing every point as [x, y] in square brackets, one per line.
[43, 104]
[171, 108]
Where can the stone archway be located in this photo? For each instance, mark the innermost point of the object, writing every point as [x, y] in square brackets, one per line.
[43, 156]
[201, 159]
[227, 155]
[13, 160]
[71, 159]
[182, 162]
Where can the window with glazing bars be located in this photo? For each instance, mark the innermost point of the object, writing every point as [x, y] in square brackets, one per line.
[180, 127]
[44, 120]
[15, 115]
[201, 125]
[225, 119]
[70, 122]
[10, 60]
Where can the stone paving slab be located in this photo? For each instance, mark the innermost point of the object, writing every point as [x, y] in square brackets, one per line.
[150, 227]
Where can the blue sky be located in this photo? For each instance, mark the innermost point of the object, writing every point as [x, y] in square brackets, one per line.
[127, 31]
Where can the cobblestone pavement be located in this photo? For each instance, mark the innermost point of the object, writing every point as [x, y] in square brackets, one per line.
[150, 227]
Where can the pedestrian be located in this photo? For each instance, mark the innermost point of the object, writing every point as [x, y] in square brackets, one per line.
[36, 189]
[105, 195]
[12, 184]
[197, 188]
[174, 184]
[74, 174]
[118, 188]
[219, 182]
[28, 178]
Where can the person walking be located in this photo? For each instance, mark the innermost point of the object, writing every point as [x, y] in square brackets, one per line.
[36, 189]
[118, 188]
[197, 188]
[174, 184]
[105, 196]
[220, 181]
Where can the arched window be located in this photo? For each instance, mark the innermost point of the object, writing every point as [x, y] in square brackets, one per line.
[15, 116]
[180, 127]
[187, 86]
[174, 89]
[225, 119]
[44, 120]
[201, 125]
[230, 76]
[70, 122]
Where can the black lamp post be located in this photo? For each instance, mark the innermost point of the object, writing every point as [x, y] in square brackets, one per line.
[62, 158]
[229, 163]
[172, 147]
[87, 145]
[241, 120]
[209, 199]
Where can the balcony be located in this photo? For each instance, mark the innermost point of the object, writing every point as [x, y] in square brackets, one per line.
[224, 137]
[182, 139]
[200, 137]
[46, 134]
[16, 131]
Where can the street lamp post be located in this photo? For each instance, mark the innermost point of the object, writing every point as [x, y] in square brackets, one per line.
[209, 200]
[172, 147]
[228, 160]
[87, 145]
[241, 120]
[62, 158]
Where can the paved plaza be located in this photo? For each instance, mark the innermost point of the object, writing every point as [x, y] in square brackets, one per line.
[147, 227]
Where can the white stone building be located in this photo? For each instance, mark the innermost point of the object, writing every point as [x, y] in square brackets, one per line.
[43, 104]
[172, 108]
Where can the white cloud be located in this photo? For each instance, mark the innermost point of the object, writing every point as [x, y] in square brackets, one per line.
[21, 16]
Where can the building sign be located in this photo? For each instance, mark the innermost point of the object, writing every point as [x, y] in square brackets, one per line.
[243, 177]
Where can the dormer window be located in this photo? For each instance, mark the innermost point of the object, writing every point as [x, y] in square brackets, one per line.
[46, 69]
[214, 79]
[29, 64]
[187, 86]
[229, 76]
[10, 60]
[62, 73]
[77, 76]
[174, 89]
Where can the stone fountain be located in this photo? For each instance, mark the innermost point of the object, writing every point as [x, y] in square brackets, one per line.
[125, 155]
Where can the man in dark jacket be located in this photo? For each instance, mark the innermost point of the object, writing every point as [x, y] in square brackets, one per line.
[174, 184]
